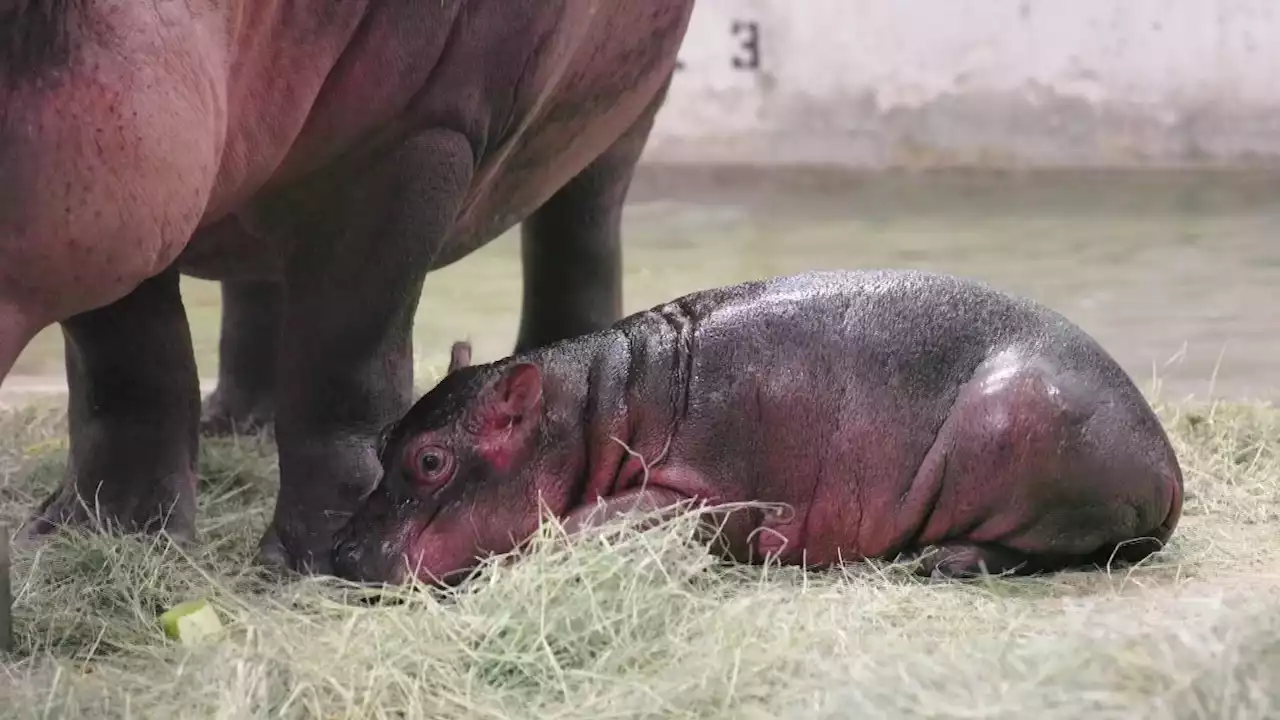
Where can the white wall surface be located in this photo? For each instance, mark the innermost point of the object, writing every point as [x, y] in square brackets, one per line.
[878, 83]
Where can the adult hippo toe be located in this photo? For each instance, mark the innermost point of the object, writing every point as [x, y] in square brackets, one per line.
[333, 151]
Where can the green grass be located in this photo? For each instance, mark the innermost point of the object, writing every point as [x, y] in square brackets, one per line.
[643, 624]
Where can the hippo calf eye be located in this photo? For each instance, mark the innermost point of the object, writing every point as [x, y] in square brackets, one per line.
[431, 464]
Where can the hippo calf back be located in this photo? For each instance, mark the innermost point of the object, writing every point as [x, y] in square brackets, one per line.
[886, 411]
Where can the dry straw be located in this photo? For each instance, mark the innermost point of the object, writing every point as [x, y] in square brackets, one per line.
[644, 624]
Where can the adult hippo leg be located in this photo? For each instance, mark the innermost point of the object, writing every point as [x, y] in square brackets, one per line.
[133, 410]
[346, 353]
[571, 246]
[244, 399]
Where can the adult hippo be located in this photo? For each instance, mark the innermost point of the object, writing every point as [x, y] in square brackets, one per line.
[339, 149]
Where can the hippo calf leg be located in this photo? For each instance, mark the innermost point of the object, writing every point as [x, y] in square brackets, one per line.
[245, 397]
[969, 560]
[346, 342]
[1035, 471]
[572, 248]
[133, 412]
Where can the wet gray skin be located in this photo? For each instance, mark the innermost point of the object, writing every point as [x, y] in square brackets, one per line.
[890, 411]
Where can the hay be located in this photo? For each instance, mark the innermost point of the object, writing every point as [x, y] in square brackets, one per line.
[632, 623]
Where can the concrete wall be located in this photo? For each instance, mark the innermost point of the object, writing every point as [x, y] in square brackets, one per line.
[877, 83]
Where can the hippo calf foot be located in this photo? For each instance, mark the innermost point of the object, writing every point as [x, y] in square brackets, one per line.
[962, 561]
[168, 507]
[226, 413]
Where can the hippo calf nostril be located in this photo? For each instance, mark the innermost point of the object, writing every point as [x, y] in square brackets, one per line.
[347, 557]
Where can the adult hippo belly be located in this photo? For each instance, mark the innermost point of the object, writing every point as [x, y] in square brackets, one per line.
[338, 152]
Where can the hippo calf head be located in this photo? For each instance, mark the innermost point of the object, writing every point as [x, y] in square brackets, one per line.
[461, 480]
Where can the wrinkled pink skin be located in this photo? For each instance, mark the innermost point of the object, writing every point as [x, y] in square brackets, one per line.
[889, 411]
[319, 158]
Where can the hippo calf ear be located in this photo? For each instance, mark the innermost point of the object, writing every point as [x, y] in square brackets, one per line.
[459, 356]
[512, 396]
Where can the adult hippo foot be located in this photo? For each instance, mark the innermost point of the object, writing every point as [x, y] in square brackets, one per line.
[132, 411]
[227, 412]
[275, 558]
[308, 551]
[167, 507]
[244, 401]
[342, 469]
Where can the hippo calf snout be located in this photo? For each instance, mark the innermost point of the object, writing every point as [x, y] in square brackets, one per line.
[368, 548]
[370, 559]
[350, 560]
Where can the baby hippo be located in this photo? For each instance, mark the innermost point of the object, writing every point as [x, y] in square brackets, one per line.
[885, 411]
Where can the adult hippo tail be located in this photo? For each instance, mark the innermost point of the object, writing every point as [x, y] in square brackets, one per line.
[889, 411]
[340, 150]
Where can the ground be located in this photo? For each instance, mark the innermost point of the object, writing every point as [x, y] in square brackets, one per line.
[644, 624]
[1157, 266]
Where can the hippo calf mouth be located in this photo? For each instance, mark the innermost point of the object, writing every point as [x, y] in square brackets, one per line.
[412, 549]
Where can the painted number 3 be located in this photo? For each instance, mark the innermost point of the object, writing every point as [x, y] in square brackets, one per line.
[748, 36]
[747, 56]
